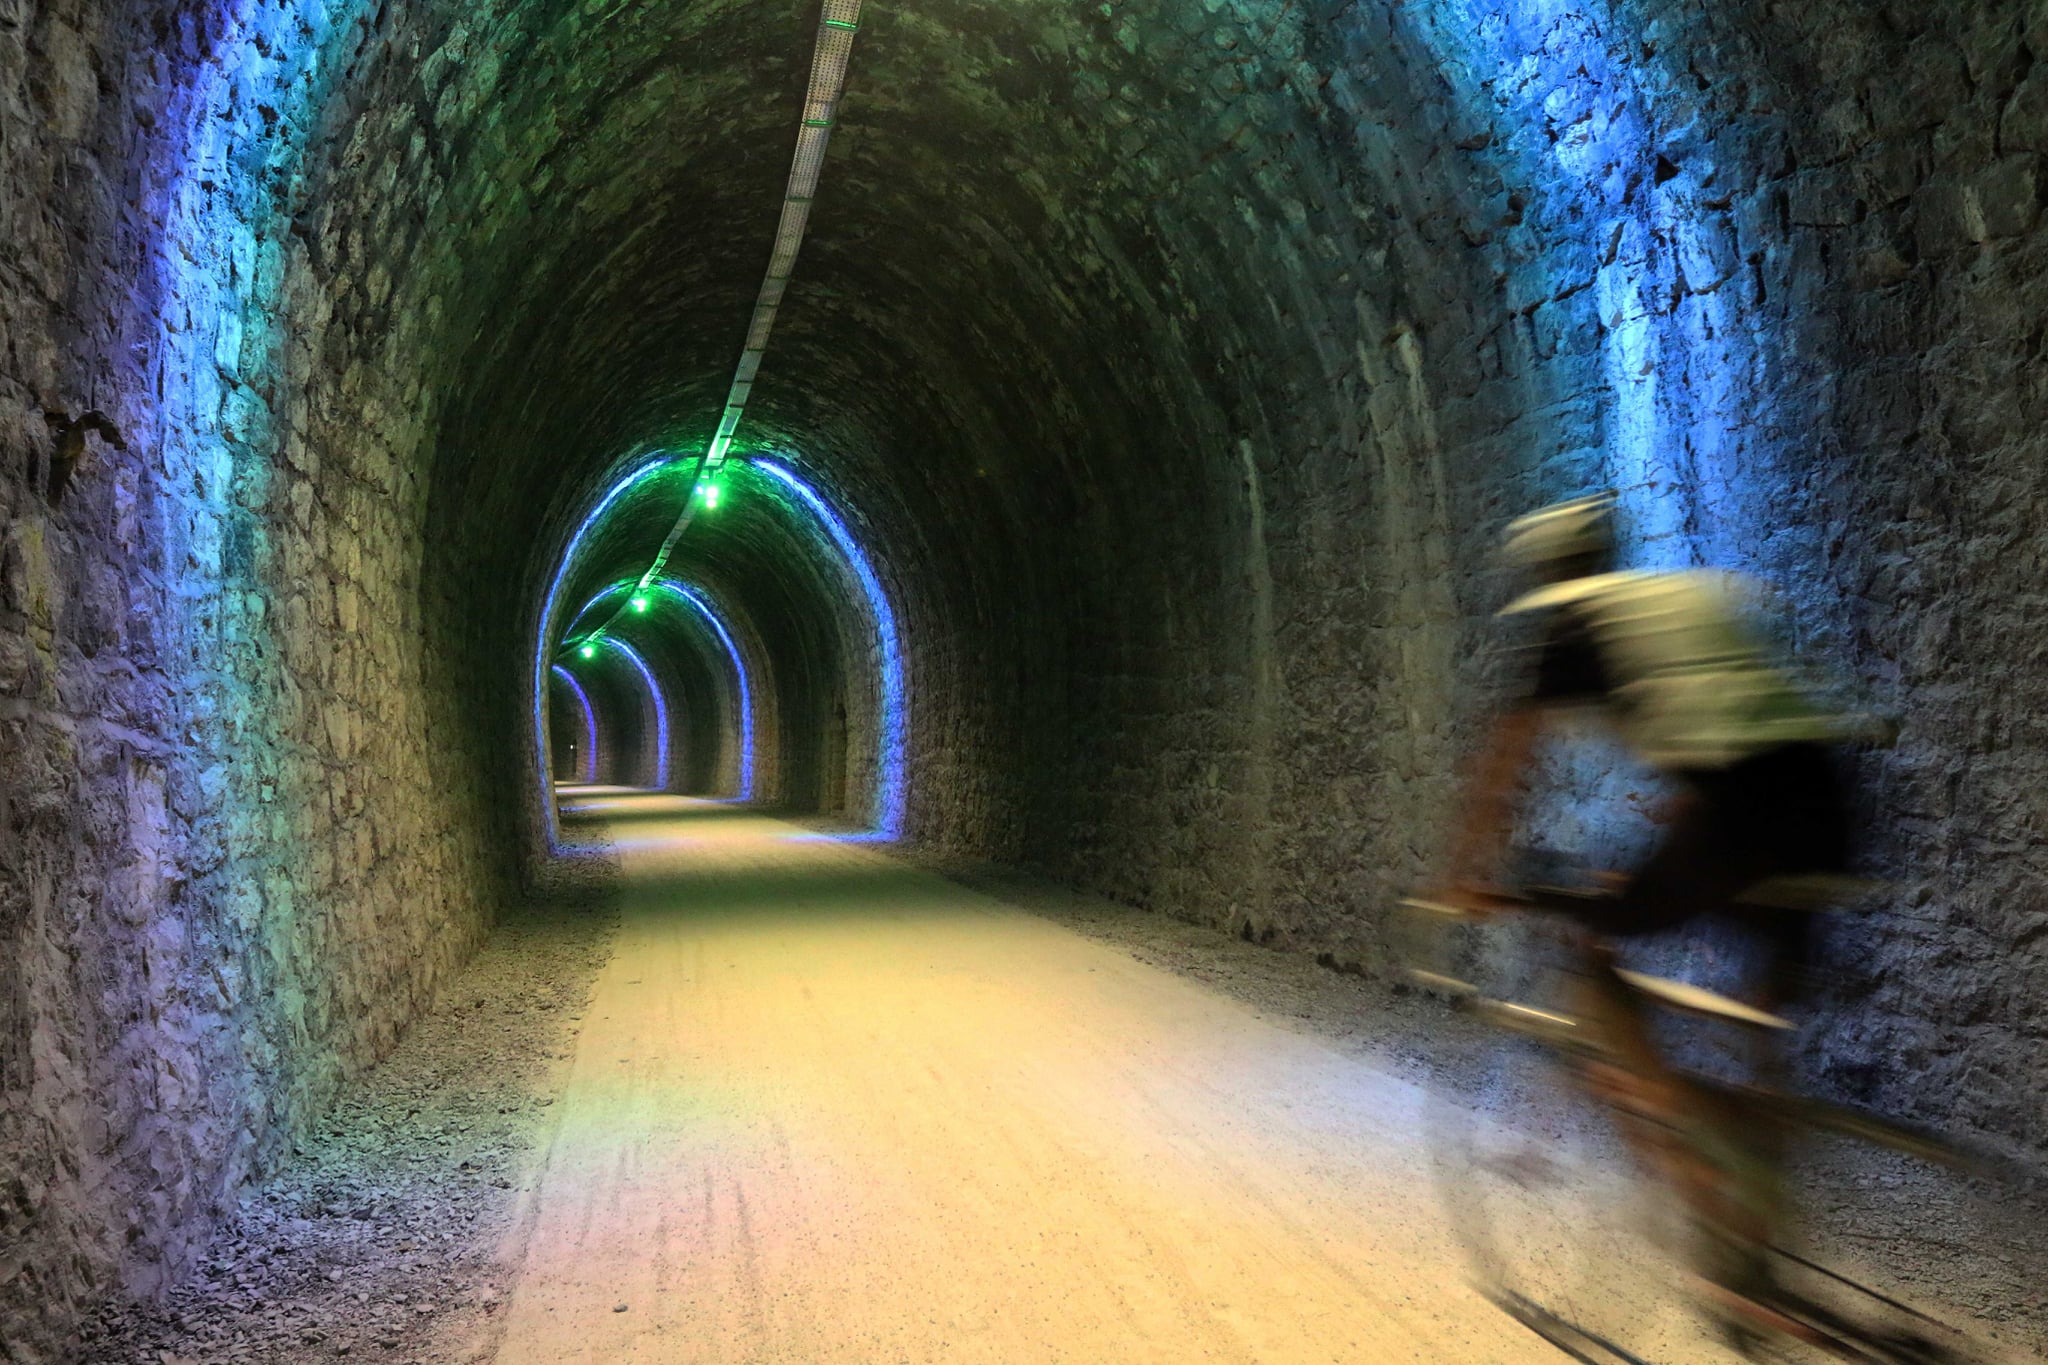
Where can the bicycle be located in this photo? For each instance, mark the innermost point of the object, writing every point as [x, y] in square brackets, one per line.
[1710, 1148]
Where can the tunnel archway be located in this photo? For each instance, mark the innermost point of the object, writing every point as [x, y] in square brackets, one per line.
[652, 765]
[623, 740]
[574, 745]
[692, 646]
[1174, 365]
[891, 697]
[845, 738]
[745, 720]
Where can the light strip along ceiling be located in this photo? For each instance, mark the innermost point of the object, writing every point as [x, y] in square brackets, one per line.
[838, 21]
[837, 24]
[836, 27]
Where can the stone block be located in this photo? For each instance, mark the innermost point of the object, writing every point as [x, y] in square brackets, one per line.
[2004, 199]
[2023, 125]
[1823, 198]
[1890, 172]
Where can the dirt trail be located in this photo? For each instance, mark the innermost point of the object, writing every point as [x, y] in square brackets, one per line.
[821, 1106]
[829, 1107]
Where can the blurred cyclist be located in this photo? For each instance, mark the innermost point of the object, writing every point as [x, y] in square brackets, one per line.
[1669, 660]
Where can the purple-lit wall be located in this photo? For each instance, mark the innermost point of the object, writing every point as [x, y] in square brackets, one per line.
[1174, 364]
[244, 841]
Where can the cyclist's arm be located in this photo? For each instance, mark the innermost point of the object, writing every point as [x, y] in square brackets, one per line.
[1492, 791]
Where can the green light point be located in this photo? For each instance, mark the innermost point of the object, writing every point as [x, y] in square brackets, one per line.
[588, 651]
[639, 604]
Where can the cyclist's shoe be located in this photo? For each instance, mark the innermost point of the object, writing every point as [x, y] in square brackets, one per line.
[1911, 1348]
[1465, 900]
[1738, 1335]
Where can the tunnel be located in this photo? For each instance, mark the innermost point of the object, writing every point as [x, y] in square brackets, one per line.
[1114, 503]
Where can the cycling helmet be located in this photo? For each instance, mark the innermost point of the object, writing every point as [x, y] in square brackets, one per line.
[1573, 535]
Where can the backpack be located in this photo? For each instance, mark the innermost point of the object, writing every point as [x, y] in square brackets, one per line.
[1694, 686]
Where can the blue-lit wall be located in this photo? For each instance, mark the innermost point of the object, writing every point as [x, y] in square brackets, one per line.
[1763, 273]
[258, 845]
[1172, 367]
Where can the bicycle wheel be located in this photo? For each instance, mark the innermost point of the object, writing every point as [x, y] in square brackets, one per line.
[1919, 1252]
[1540, 1190]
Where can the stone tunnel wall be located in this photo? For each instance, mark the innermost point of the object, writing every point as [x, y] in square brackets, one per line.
[1179, 363]
[1775, 275]
[240, 841]
[1282, 311]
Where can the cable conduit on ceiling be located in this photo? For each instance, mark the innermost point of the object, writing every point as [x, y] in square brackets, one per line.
[838, 22]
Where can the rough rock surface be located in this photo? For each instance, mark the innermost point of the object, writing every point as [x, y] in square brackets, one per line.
[242, 842]
[380, 1237]
[1177, 365]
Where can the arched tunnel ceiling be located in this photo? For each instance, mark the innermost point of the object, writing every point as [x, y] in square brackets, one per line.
[1097, 197]
[1176, 361]
[1066, 267]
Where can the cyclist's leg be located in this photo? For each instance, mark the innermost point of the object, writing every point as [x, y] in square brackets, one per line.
[1777, 814]
[1790, 806]
[1725, 1170]
[1782, 813]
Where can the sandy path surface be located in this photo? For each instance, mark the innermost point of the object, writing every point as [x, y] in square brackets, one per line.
[828, 1107]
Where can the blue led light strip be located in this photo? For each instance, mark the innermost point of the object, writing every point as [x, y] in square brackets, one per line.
[889, 761]
[587, 769]
[660, 702]
[543, 653]
[689, 597]
[693, 599]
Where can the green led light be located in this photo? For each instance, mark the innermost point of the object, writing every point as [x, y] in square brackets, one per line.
[588, 651]
[639, 604]
[710, 495]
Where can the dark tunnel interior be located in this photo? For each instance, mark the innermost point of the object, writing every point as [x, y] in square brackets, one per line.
[1118, 499]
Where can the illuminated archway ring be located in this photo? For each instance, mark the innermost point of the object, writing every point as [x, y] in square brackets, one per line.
[694, 600]
[587, 768]
[890, 784]
[658, 462]
[656, 699]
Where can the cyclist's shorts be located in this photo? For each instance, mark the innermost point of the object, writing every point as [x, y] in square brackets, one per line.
[1785, 804]
[1779, 813]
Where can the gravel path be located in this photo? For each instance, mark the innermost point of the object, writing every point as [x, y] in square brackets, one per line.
[380, 1240]
[829, 1107]
[395, 1233]
[1976, 1253]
